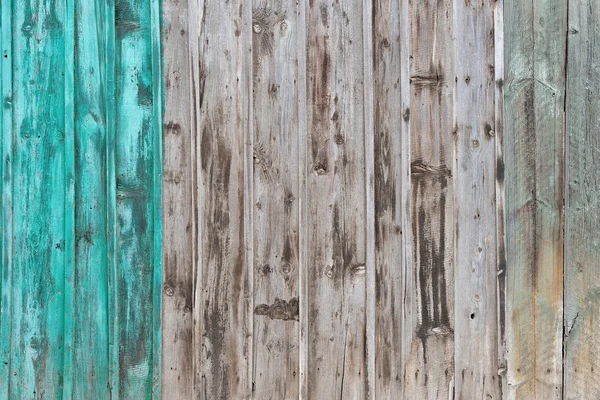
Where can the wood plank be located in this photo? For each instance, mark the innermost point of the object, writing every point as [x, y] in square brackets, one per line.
[137, 139]
[336, 221]
[178, 287]
[475, 301]
[275, 198]
[430, 363]
[222, 87]
[38, 167]
[534, 99]
[500, 200]
[90, 372]
[582, 216]
[391, 116]
[6, 211]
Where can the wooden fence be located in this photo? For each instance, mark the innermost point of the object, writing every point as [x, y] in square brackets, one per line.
[346, 199]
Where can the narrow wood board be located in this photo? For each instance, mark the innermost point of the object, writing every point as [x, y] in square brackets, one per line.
[533, 131]
[474, 173]
[582, 207]
[429, 366]
[178, 214]
[275, 197]
[222, 87]
[336, 264]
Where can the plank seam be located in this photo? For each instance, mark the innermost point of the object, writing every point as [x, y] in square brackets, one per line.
[157, 95]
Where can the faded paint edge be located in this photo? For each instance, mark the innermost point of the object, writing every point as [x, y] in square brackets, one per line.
[157, 104]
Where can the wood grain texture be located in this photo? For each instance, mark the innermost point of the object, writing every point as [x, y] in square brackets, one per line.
[336, 222]
[582, 215]
[78, 298]
[90, 280]
[429, 367]
[391, 116]
[38, 169]
[533, 105]
[135, 143]
[500, 199]
[275, 198]
[475, 302]
[6, 211]
[222, 82]
[178, 223]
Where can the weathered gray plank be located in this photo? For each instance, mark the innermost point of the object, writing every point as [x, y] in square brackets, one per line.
[582, 212]
[275, 30]
[476, 345]
[499, 173]
[178, 279]
[430, 364]
[222, 86]
[336, 187]
[533, 105]
[389, 185]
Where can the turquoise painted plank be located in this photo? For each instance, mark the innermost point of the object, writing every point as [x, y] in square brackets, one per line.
[38, 181]
[81, 212]
[6, 187]
[90, 280]
[136, 135]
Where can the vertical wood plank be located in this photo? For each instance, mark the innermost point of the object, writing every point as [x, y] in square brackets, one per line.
[500, 202]
[137, 226]
[223, 86]
[475, 307]
[430, 365]
[582, 216]
[38, 165]
[533, 104]
[6, 211]
[178, 288]
[390, 117]
[304, 172]
[275, 198]
[90, 279]
[336, 276]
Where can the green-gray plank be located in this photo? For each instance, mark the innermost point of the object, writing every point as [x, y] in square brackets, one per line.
[582, 204]
[81, 162]
[533, 106]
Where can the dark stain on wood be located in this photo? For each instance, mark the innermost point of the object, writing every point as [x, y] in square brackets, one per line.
[431, 267]
[126, 20]
[280, 310]
[418, 170]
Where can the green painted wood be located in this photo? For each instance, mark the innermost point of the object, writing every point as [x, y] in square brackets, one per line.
[535, 56]
[582, 204]
[81, 210]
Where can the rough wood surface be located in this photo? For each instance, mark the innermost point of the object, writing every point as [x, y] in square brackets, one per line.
[430, 364]
[222, 89]
[534, 101]
[389, 194]
[476, 330]
[178, 272]
[81, 208]
[582, 215]
[275, 199]
[336, 221]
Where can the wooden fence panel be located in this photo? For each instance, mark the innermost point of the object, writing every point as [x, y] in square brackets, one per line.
[81, 241]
